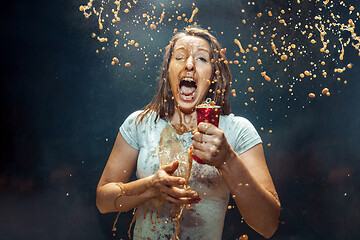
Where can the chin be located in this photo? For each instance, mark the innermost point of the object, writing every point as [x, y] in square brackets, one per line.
[187, 106]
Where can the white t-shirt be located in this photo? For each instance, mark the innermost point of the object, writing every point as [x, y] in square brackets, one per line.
[206, 219]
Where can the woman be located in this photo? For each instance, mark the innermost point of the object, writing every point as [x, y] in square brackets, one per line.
[155, 142]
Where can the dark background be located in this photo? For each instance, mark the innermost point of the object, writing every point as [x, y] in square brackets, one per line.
[62, 104]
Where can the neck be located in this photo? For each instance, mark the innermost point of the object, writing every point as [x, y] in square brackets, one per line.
[184, 122]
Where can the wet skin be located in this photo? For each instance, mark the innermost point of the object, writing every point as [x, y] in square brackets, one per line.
[190, 62]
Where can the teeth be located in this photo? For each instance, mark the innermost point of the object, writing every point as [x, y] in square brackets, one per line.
[188, 79]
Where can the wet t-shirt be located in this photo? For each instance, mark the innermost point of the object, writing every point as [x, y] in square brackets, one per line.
[159, 144]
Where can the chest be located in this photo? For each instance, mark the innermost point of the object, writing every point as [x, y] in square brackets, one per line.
[162, 145]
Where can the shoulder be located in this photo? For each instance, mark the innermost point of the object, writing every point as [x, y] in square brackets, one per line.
[140, 121]
[133, 130]
[240, 132]
[134, 118]
[232, 121]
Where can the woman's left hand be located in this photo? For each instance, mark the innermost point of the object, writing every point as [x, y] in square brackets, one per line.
[211, 145]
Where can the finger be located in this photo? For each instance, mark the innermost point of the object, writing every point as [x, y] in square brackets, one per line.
[213, 139]
[190, 200]
[207, 128]
[201, 137]
[170, 180]
[204, 155]
[205, 147]
[170, 199]
[179, 201]
[197, 145]
[171, 167]
[182, 193]
[196, 130]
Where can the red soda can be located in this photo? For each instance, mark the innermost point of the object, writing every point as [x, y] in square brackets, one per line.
[209, 114]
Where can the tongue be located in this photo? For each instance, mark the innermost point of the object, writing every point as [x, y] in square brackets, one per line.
[187, 90]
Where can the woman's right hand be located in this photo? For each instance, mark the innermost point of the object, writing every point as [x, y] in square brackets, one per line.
[170, 188]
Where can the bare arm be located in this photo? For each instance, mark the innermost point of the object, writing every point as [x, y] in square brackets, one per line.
[116, 193]
[118, 170]
[248, 179]
[246, 176]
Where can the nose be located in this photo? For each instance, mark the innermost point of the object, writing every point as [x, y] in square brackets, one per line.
[190, 63]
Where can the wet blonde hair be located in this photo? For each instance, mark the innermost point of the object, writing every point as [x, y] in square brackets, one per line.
[163, 102]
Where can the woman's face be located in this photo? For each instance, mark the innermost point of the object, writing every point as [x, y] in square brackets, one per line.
[190, 72]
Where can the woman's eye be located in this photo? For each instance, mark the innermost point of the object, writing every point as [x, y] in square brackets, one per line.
[202, 59]
[179, 58]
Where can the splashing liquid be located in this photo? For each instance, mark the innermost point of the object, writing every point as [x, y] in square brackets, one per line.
[316, 44]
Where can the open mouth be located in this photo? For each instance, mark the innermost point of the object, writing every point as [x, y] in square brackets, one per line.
[187, 89]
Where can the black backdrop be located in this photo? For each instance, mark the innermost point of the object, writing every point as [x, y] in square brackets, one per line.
[61, 106]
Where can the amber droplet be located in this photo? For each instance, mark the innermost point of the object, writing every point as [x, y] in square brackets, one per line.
[311, 95]
[325, 91]
[244, 237]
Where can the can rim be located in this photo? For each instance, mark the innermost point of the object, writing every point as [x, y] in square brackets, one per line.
[208, 107]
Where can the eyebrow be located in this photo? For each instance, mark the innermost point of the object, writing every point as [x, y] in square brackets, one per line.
[199, 49]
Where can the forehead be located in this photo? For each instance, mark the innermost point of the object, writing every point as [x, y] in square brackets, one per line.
[192, 43]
